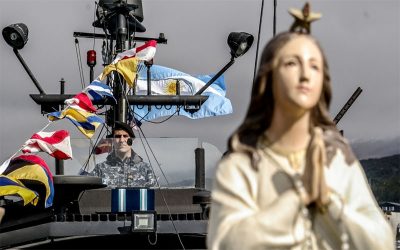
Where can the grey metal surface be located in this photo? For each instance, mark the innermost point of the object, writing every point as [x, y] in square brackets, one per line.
[55, 230]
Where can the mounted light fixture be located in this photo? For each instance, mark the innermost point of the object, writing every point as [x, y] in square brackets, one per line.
[16, 35]
[239, 43]
[144, 221]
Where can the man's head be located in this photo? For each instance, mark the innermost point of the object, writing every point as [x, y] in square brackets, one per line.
[123, 137]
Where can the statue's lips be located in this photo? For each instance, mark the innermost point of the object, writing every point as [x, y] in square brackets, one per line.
[304, 89]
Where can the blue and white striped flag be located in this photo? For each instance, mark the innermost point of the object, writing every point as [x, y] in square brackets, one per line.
[98, 90]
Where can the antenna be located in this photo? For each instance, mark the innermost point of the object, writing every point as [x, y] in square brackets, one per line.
[347, 105]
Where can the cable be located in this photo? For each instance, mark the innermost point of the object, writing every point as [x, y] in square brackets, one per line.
[96, 6]
[142, 136]
[48, 124]
[158, 164]
[86, 164]
[79, 58]
[107, 57]
[141, 66]
[84, 168]
[140, 129]
[274, 22]
[105, 54]
[92, 146]
[163, 196]
[158, 184]
[153, 243]
[258, 38]
[159, 122]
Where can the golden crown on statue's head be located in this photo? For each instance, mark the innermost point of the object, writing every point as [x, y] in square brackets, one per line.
[303, 19]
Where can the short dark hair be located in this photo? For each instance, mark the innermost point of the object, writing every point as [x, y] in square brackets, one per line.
[125, 127]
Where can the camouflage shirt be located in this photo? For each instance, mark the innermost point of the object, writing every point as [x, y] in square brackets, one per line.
[131, 172]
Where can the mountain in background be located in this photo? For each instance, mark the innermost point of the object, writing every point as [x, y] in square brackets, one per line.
[383, 175]
[370, 149]
[190, 183]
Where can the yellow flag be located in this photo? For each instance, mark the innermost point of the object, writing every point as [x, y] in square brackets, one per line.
[126, 67]
[11, 186]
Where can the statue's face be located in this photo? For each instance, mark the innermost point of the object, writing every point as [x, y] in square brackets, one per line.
[298, 75]
[121, 141]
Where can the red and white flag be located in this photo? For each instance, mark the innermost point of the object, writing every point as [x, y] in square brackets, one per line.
[83, 101]
[145, 52]
[56, 144]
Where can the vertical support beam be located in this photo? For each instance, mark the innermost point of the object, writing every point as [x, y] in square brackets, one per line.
[60, 163]
[200, 168]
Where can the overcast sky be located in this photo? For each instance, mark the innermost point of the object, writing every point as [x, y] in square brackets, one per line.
[361, 39]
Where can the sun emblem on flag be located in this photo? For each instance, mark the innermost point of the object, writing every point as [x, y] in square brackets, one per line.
[170, 87]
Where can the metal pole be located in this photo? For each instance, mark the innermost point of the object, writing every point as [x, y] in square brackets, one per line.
[28, 71]
[60, 163]
[216, 76]
[160, 40]
[200, 168]
[347, 105]
[121, 33]
[120, 85]
[178, 100]
[62, 90]
[148, 65]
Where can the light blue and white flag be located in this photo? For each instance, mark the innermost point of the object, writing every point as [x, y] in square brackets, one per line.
[164, 82]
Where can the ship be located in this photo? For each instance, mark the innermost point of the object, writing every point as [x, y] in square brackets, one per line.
[84, 213]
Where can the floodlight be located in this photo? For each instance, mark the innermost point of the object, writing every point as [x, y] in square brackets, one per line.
[16, 35]
[239, 43]
[144, 221]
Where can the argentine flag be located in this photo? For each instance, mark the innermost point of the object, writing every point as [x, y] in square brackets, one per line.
[164, 82]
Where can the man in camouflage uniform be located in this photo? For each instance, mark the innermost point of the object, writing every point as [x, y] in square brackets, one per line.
[123, 167]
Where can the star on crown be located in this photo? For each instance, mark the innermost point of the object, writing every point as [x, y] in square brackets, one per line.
[303, 19]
